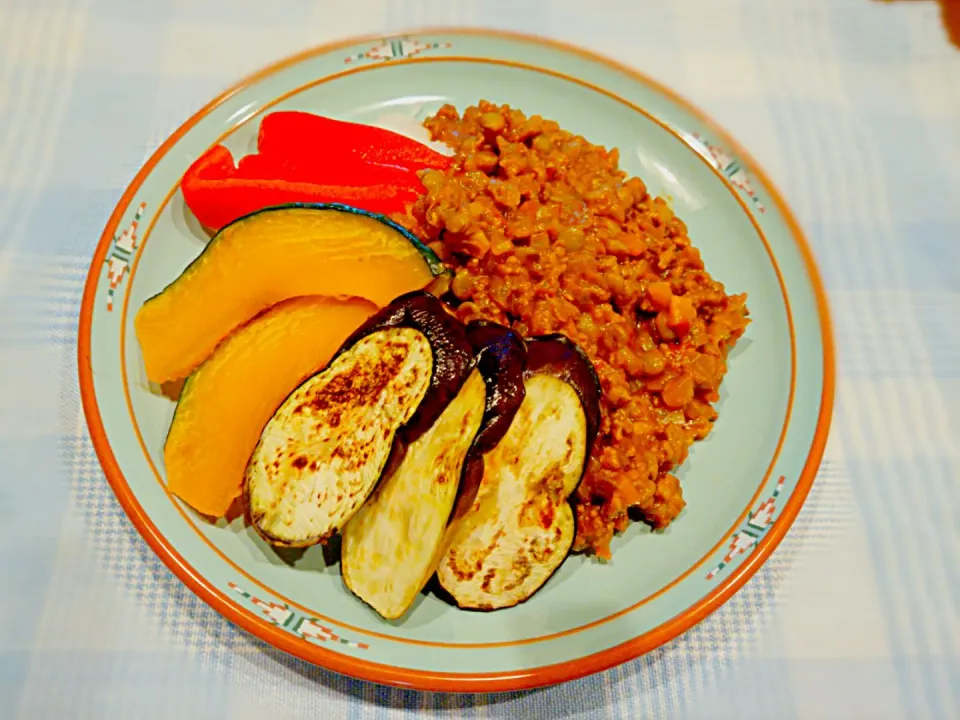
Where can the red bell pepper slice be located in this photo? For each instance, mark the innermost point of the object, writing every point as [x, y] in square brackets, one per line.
[324, 172]
[218, 194]
[288, 133]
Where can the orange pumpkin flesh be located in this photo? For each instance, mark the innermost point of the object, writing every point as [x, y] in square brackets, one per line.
[268, 257]
[227, 402]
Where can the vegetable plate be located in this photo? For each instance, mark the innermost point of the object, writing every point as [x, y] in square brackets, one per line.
[460, 360]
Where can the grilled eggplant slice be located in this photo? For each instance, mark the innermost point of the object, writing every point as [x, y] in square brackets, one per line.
[522, 526]
[322, 453]
[393, 544]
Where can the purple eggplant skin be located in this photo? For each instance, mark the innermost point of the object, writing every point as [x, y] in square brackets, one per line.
[500, 355]
[453, 353]
[501, 358]
[561, 357]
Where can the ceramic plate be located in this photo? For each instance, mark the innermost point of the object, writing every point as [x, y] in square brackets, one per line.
[744, 485]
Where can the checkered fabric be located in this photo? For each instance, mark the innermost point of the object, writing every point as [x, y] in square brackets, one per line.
[853, 106]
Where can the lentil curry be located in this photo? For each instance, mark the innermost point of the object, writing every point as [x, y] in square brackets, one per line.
[545, 233]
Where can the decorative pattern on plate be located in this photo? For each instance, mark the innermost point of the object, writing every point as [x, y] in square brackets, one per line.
[121, 254]
[729, 166]
[746, 539]
[394, 49]
[307, 627]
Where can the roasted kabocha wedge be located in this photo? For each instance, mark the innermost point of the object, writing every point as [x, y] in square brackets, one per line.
[522, 526]
[270, 256]
[393, 544]
[327, 446]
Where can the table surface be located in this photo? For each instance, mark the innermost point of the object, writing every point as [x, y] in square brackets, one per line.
[853, 106]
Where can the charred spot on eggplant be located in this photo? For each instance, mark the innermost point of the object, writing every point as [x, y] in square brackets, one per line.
[522, 525]
[327, 446]
[393, 544]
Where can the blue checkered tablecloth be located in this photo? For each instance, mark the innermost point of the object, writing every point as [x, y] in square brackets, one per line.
[853, 106]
